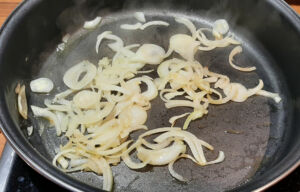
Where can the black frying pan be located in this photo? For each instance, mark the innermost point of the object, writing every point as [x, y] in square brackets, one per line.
[266, 151]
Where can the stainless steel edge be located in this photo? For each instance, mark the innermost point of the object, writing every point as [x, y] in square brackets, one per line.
[278, 179]
[6, 164]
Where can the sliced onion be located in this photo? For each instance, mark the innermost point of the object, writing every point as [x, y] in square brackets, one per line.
[105, 137]
[61, 153]
[72, 75]
[86, 99]
[219, 159]
[62, 95]
[234, 52]
[240, 93]
[29, 130]
[63, 162]
[220, 28]
[150, 53]
[164, 68]
[168, 94]
[224, 42]
[158, 130]
[152, 23]
[132, 165]
[99, 130]
[60, 107]
[42, 112]
[77, 162]
[63, 120]
[107, 87]
[92, 24]
[100, 110]
[143, 26]
[125, 133]
[160, 145]
[256, 89]
[41, 85]
[274, 96]
[206, 48]
[146, 71]
[140, 16]
[174, 173]
[161, 156]
[107, 173]
[100, 38]
[22, 102]
[193, 116]
[188, 24]
[116, 46]
[173, 119]
[184, 45]
[151, 92]
[133, 115]
[114, 150]
[179, 103]
[192, 142]
[131, 26]
[41, 128]
[93, 116]
[113, 161]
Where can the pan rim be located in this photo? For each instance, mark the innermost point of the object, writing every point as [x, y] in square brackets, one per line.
[34, 159]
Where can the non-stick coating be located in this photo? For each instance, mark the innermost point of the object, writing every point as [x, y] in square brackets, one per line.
[264, 125]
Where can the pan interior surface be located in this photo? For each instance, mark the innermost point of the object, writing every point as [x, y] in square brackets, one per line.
[266, 128]
[244, 152]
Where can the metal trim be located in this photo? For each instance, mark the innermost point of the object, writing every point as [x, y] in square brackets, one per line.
[6, 163]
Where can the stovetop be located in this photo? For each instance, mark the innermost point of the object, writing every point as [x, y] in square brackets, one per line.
[17, 176]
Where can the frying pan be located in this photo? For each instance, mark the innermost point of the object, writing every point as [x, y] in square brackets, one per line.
[267, 148]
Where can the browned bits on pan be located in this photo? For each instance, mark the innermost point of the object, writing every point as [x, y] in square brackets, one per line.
[231, 131]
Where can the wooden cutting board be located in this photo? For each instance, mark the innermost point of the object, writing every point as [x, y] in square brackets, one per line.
[7, 6]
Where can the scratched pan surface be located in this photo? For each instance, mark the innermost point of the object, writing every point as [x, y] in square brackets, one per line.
[261, 122]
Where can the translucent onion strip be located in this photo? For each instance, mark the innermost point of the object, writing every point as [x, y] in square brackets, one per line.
[22, 101]
[92, 24]
[274, 96]
[234, 52]
[140, 16]
[71, 77]
[41, 85]
[152, 23]
[188, 24]
[42, 112]
[131, 26]
[143, 26]
[174, 173]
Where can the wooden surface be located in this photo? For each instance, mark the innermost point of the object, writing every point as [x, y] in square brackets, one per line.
[7, 6]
